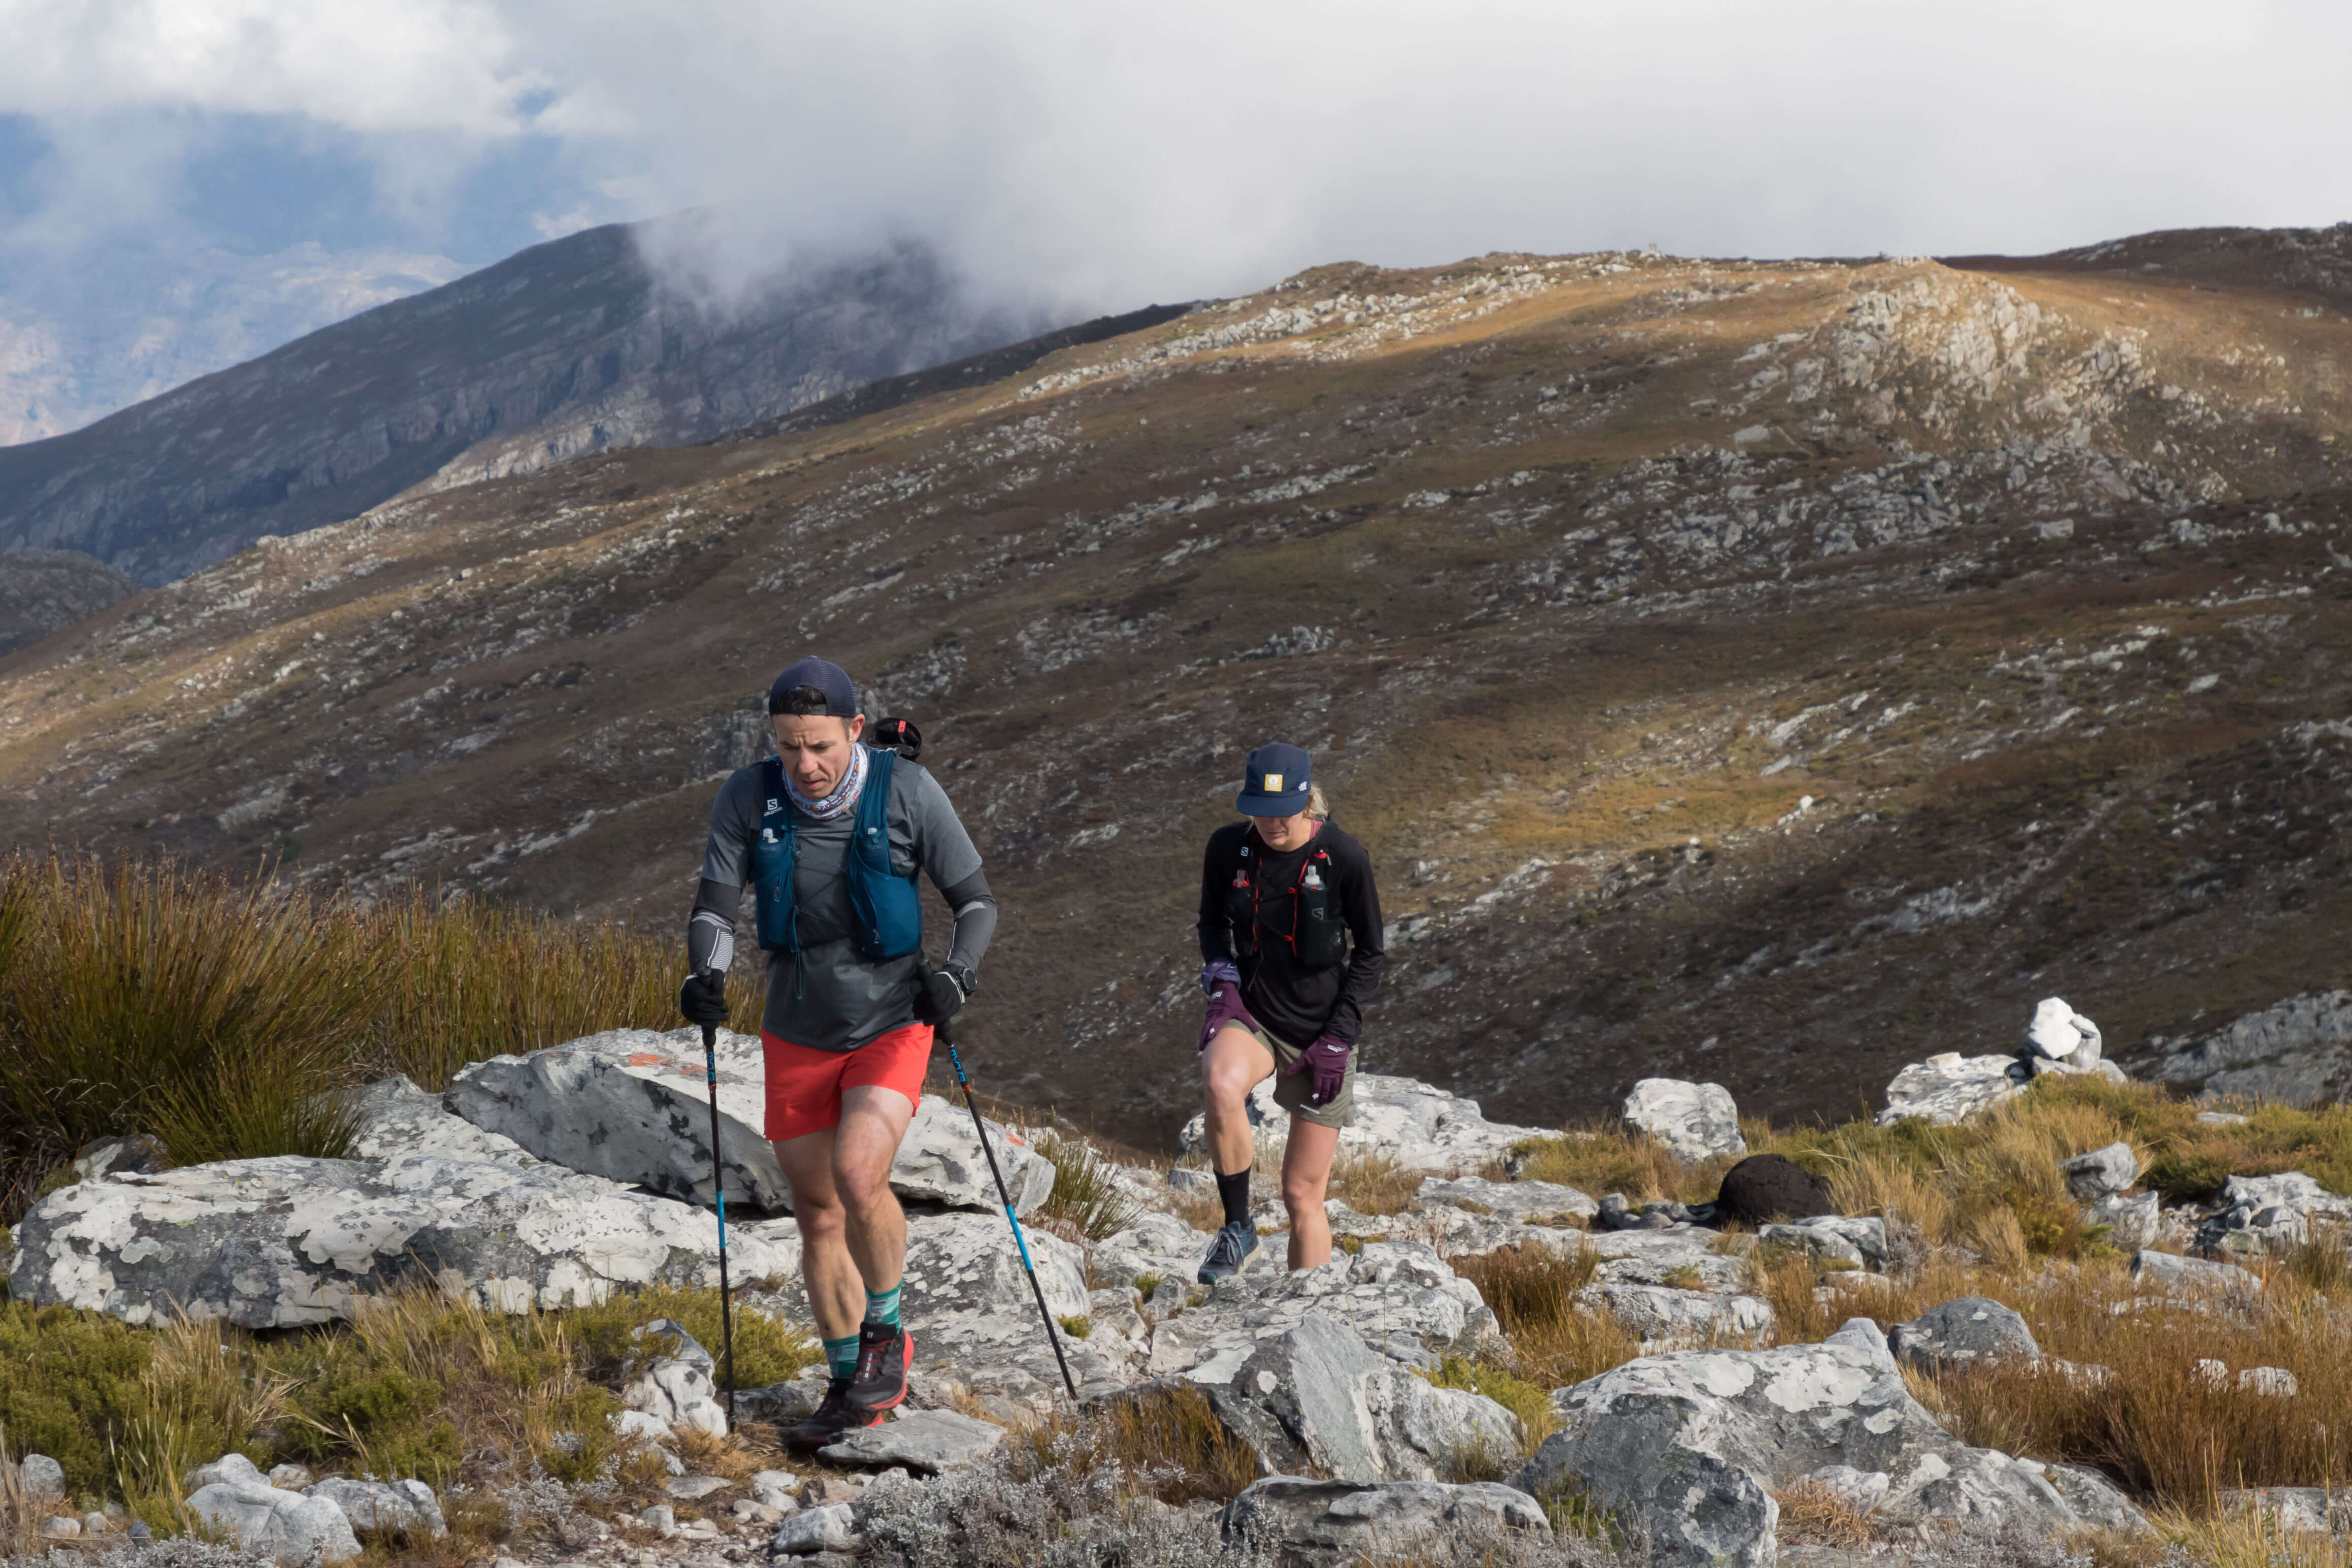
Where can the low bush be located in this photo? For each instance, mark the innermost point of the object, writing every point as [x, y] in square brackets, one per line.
[416, 1385]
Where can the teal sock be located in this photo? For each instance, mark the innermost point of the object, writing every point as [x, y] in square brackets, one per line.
[841, 1355]
[882, 1306]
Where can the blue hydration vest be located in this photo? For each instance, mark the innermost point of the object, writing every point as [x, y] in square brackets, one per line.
[887, 908]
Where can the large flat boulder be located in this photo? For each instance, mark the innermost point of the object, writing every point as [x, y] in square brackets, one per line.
[1419, 1127]
[1667, 1439]
[1398, 1293]
[288, 1526]
[1318, 1399]
[633, 1105]
[281, 1242]
[1306, 1523]
[1949, 1088]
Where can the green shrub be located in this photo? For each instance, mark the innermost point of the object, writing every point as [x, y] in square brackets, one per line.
[72, 1385]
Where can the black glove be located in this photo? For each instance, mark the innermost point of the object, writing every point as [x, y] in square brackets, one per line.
[703, 997]
[939, 999]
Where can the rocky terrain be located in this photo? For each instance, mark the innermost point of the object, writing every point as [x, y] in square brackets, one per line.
[1771, 1379]
[44, 591]
[567, 348]
[1768, 672]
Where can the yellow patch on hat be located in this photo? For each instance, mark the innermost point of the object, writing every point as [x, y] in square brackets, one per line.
[1274, 783]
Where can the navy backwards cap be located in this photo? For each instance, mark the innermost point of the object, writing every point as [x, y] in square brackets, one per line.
[1275, 783]
[835, 694]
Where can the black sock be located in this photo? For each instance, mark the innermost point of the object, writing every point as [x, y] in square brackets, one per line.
[1234, 1192]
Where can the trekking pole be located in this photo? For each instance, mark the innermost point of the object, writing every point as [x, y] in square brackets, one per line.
[946, 1032]
[719, 1189]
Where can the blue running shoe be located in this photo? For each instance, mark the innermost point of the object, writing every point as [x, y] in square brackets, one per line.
[1229, 1253]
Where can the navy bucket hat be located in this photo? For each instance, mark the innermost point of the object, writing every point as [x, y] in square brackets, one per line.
[1277, 783]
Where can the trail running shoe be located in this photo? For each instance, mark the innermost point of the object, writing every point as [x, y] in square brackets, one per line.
[881, 1377]
[1229, 1253]
[834, 1415]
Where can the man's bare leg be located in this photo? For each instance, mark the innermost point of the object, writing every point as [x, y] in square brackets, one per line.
[1234, 1064]
[836, 1294]
[853, 1232]
[1306, 1171]
[874, 1120]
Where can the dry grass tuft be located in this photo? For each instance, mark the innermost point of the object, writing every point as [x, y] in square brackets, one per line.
[1812, 1515]
[1373, 1184]
[2149, 1420]
[1555, 1341]
[1168, 1439]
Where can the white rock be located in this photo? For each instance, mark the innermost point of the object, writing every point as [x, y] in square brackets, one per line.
[287, 1241]
[1402, 1118]
[2059, 1034]
[266, 1522]
[2100, 1173]
[392, 1116]
[1947, 1087]
[1523, 1202]
[1389, 1290]
[831, 1528]
[2271, 1382]
[678, 1394]
[642, 1425]
[925, 1441]
[2133, 1220]
[44, 1480]
[633, 1105]
[1299, 1521]
[1691, 1446]
[1695, 1122]
[405, 1509]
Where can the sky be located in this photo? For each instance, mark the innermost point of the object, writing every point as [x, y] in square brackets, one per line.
[1078, 156]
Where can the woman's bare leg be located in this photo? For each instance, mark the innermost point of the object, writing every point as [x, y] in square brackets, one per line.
[1306, 1171]
[1233, 1064]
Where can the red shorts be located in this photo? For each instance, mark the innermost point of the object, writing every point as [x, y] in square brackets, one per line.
[804, 1085]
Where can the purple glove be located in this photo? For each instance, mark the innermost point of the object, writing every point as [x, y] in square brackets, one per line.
[1225, 1006]
[1327, 1058]
[1217, 970]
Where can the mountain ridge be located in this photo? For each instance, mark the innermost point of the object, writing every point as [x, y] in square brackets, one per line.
[1764, 672]
[564, 348]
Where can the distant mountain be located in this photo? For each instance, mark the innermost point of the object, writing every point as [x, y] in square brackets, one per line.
[567, 348]
[80, 340]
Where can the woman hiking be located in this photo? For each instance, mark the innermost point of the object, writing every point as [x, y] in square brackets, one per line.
[1290, 948]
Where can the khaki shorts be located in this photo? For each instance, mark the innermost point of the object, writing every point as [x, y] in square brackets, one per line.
[1291, 1090]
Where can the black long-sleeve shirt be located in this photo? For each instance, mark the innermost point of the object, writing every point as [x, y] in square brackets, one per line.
[1293, 1004]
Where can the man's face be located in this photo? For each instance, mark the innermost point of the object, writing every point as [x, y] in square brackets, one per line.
[815, 748]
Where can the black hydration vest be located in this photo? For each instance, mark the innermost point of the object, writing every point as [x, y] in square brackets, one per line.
[1318, 933]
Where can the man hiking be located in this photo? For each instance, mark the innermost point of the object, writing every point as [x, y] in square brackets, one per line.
[1284, 895]
[830, 833]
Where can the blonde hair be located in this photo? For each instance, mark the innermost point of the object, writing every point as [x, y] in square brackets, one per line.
[1317, 807]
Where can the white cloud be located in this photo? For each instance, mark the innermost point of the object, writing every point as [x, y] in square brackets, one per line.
[1105, 153]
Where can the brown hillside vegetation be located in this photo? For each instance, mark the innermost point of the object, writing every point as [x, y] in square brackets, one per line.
[1770, 672]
